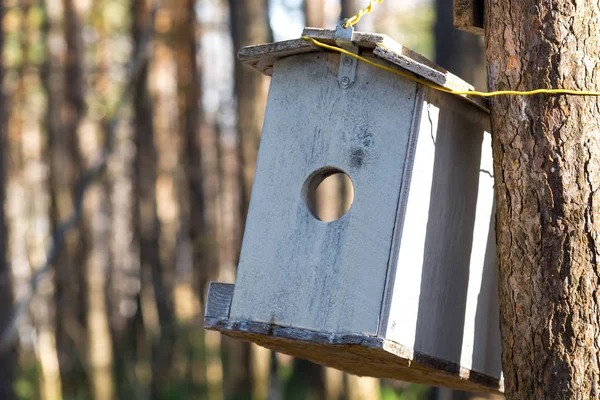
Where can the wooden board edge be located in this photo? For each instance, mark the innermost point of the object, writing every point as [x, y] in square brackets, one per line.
[436, 76]
[386, 302]
[218, 300]
[262, 57]
[364, 40]
[358, 354]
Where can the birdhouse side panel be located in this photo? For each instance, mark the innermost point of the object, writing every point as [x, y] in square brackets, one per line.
[442, 302]
[294, 269]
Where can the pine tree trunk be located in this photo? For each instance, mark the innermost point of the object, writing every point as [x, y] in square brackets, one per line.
[95, 230]
[546, 156]
[8, 356]
[64, 84]
[147, 222]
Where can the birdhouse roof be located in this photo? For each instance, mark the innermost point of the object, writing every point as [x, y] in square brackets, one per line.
[263, 56]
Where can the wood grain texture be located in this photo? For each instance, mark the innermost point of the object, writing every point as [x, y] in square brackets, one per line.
[442, 295]
[468, 16]
[219, 298]
[294, 269]
[358, 354]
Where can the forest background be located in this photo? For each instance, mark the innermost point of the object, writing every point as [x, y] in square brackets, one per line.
[128, 140]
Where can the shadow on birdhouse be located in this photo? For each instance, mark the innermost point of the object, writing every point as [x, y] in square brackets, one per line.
[404, 284]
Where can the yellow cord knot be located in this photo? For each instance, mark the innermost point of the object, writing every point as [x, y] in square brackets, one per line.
[353, 20]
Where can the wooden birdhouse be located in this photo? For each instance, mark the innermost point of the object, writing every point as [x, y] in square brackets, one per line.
[404, 285]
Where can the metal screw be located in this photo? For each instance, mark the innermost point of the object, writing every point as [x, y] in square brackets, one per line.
[347, 61]
[345, 81]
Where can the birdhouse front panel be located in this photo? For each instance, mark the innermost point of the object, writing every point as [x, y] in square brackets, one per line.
[296, 270]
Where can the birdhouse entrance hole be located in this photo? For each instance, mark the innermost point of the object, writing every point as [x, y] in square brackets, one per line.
[328, 193]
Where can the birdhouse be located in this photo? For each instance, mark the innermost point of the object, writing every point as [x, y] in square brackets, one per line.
[404, 284]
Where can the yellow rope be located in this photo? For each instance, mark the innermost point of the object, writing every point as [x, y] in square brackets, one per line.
[353, 20]
[445, 90]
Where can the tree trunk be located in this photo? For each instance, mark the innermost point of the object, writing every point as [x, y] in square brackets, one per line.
[546, 153]
[314, 13]
[94, 230]
[249, 24]
[348, 8]
[8, 356]
[64, 84]
[147, 222]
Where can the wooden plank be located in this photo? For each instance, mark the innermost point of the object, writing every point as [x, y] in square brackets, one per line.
[468, 16]
[218, 300]
[358, 354]
[369, 41]
[262, 58]
[444, 79]
[444, 296]
[481, 333]
[294, 269]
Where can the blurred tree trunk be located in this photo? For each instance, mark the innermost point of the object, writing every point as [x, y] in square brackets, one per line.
[37, 199]
[349, 8]
[64, 86]
[147, 222]
[314, 13]
[8, 356]
[249, 24]
[94, 226]
[459, 52]
[198, 197]
[192, 127]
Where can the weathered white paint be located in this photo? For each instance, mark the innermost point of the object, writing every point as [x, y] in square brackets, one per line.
[481, 340]
[444, 297]
[294, 269]
[409, 273]
[400, 310]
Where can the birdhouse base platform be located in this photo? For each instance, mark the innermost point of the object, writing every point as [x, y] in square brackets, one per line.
[354, 353]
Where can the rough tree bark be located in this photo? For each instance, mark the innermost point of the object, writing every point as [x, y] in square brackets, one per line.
[546, 167]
